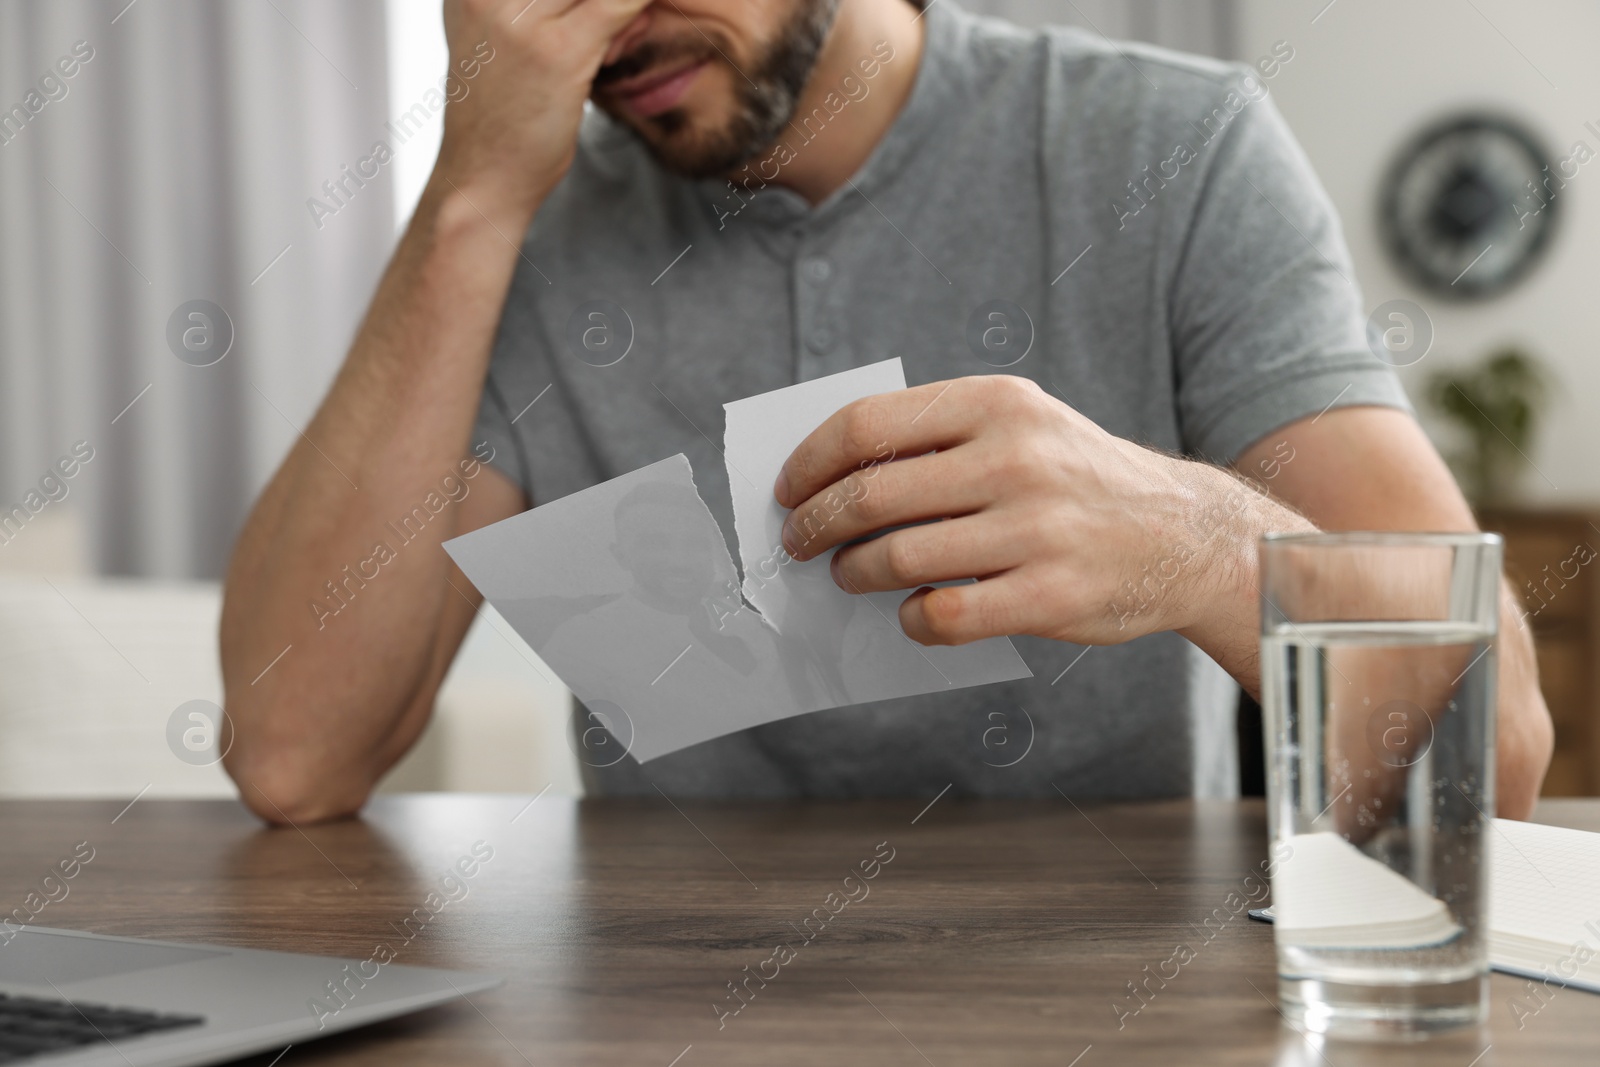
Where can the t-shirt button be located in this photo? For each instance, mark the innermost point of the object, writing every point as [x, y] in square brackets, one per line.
[821, 339]
[818, 269]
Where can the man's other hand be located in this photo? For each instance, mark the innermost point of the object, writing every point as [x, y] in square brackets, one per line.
[520, 73]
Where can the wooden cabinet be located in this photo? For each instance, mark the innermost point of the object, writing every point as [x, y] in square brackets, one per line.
[1553, 561]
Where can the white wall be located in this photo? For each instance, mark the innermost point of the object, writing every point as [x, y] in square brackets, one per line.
[1366, 75]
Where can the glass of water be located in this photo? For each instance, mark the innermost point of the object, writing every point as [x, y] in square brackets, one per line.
[1378, 705]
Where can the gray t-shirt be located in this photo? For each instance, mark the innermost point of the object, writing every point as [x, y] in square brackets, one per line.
[1208, 302]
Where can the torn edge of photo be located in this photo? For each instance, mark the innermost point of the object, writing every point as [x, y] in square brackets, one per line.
[627, 590]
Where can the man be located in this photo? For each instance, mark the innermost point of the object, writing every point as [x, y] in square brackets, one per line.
[774, 190]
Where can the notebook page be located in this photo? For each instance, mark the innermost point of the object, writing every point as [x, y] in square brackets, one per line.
[1327, 883]
[1546, 884]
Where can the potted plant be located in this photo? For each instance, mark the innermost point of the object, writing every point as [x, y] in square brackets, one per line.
[1496, 404]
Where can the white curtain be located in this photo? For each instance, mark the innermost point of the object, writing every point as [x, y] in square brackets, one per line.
[175, 165]
[1203, 26]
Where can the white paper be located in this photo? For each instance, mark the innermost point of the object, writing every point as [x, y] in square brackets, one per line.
[760, 433]
[627, 590]
[855, 643]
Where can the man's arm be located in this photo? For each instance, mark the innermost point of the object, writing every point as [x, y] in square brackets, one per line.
[1366, 468]
[1081, 536]
[321, 706]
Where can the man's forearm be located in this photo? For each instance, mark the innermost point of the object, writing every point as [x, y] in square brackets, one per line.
[326, 717]
[1228, 629]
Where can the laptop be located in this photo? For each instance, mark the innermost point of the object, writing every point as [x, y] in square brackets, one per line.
[70, 999]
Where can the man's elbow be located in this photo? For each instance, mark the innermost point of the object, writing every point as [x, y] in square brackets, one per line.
[282, 791]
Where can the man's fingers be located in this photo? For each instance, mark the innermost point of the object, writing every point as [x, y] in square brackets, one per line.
[891, 494]
[607, 17]
[520, 11]
[601, 20]
[872, 431]
[937, 552]
[958, 614]
[505, 12]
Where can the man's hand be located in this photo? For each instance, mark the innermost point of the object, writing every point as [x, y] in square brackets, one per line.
[1074, 534]
[1078, 535]
[511, 137]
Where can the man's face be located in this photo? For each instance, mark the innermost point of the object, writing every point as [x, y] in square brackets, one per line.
[708, 84]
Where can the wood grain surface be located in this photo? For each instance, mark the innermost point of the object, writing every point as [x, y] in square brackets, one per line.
[998, 933]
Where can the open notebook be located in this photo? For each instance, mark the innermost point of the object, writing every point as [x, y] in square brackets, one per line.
[1544, 901]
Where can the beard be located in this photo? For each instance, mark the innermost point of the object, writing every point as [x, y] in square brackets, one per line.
[765, 94]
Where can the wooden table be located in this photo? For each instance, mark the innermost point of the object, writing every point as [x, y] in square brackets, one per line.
[998, 933]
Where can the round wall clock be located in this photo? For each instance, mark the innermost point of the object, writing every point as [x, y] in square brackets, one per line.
[1468, 206]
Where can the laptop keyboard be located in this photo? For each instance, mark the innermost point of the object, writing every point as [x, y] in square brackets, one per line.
[33, 1026]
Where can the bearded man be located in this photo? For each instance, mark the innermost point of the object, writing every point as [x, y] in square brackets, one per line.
[1121, 296]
